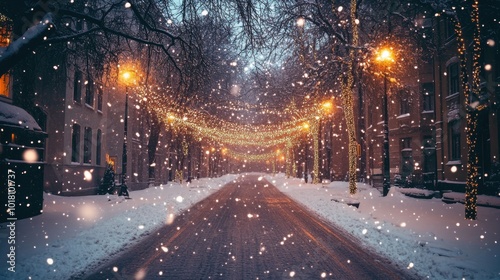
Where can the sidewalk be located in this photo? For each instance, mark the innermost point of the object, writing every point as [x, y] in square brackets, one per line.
[450, 197]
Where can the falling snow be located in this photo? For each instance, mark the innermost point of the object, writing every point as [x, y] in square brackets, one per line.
[426, 236]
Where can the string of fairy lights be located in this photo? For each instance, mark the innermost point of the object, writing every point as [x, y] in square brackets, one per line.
[203, 125]
[298, 122]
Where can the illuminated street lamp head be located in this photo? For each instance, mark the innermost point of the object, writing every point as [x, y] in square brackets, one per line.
[327, 107]
[301, 21]
[128, 77]
[384, 56]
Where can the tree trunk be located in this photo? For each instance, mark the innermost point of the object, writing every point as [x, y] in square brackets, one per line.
[472, 119]
[152, 145]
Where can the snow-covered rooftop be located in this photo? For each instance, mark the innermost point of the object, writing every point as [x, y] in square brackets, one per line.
[15, 116]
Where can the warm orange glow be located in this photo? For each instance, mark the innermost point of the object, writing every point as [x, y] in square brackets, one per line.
[5, 35]
[305, 125]
[327, 105]
[126, 75]
[384, 56]
[5, 85]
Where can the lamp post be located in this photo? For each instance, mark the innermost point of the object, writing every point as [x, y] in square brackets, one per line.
[126, 76]
[384, 57]
[275, 165]
[306, 128]
[327, 111]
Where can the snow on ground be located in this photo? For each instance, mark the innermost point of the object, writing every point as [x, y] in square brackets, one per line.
[426, 235]
[75, 233]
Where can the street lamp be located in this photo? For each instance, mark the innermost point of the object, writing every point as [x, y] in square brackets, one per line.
[275, 165]
[305, 126]
[326, 110]
[385, 58]
[127, 78]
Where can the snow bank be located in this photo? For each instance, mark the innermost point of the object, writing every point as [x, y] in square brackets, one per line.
[425, 235]
[75, 234]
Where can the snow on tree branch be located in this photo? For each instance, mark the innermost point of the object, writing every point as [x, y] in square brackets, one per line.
[21, 46]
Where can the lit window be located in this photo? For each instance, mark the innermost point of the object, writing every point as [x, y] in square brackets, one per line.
[5, 39]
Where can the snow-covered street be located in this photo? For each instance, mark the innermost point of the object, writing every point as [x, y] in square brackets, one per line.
[110, 109]
[75, 234]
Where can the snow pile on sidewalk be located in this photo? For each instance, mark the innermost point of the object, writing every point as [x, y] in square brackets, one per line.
[425, 235]
[76, 233]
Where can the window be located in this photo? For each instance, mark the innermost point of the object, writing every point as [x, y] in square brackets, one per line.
[77, 86]
[453, 78]
[454, 140]
[429, 154]
[99, 99]
[428, 96]
[87, 145]
[406, 143]
[405, 107]
[427, 29]
[5, 85]
[404, 102]
[79, 25]
[449, 30]
[98, 147]
[5, 39]
[75, 143]
[89, 93]
[406, 157]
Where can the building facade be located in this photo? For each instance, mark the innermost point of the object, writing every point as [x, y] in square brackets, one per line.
[76, 123]
[427, 117]
[451, 140]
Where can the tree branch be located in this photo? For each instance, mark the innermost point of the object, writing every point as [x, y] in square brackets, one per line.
[20, 47]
